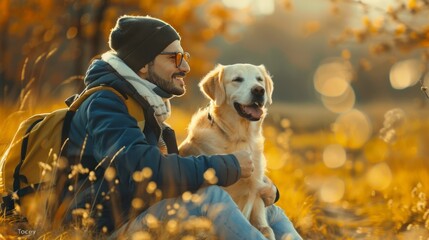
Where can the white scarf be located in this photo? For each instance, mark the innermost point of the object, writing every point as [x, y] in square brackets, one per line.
[145, 88]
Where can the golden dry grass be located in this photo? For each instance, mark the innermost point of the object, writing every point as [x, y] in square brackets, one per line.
[379, 192]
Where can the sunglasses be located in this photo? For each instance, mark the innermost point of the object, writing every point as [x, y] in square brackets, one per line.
[179, 56]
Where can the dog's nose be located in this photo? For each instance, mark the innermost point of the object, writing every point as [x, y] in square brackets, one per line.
[258, 91]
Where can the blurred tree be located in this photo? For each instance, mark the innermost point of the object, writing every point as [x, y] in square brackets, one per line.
[398, 26]
[46, 45]
[392, 31]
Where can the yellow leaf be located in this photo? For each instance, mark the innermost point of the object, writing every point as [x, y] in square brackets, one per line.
[345, 54]
[287, 4]
[412, 5]
[400, 29]
[365, 64]
[311, 27]
[366, 22]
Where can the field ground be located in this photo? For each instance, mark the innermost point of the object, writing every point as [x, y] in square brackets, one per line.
[380, 189]
[336, 182]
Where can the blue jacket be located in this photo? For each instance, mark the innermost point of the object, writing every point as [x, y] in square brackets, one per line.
[103, 133]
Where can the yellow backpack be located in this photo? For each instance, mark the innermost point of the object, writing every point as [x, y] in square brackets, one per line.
[29, 167]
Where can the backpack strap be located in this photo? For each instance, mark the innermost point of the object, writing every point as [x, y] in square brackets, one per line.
[16, 176]
[133, 106]
[7, 207]
[152, 127]
[88, 92]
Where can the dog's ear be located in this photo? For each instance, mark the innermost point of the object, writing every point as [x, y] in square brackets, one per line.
[212, 85]
[269, 85]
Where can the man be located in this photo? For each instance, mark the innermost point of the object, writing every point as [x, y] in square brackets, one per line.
[133, 172]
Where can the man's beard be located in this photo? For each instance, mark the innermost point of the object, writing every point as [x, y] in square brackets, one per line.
[165, 84]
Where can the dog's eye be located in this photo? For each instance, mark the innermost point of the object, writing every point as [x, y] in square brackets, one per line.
[259, 79]
[238, 79]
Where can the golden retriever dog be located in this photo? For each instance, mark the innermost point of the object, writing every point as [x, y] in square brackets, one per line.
[232, 121]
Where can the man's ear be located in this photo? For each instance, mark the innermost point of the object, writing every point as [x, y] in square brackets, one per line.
[143, 71]
[269, 85]
[212, 85]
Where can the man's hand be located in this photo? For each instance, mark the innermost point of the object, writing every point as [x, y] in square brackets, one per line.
[246, 164]
[268, 193]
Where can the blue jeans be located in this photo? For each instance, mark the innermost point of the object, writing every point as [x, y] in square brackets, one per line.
[215, 204]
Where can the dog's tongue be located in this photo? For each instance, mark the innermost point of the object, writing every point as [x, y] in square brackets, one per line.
[255, 112]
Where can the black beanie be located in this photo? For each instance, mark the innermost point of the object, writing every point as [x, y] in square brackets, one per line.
[137, 40]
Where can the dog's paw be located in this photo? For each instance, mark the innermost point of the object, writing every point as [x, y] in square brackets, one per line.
[267, 232]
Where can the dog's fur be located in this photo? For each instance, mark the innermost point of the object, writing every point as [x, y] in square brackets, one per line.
[233, 120]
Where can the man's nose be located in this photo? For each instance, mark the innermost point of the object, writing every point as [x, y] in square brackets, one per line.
[184, 66]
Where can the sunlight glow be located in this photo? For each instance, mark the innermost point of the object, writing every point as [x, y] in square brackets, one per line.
[332, 80]
[332, 190]
[239, 4]
[275, 159]
[334, 87]
[259, 7]
[376, 150]
[334, 156]
[352, 129]
[405, 73]
[263, 7]
[332, 77]
[379, 176]
[380, 3]
[141, 235]
[342, 103]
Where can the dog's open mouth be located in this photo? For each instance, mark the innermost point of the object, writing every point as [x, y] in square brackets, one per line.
[252, 112]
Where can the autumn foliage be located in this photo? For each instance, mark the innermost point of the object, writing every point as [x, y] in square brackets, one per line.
[361, 172]
[46, 46]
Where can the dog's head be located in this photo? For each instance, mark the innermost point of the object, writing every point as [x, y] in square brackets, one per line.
[245, 87]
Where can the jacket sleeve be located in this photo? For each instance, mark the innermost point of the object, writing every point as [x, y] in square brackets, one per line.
[119, 142]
